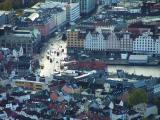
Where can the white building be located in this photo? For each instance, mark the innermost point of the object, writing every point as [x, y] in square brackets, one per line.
[104, 39]
[72, 12]
[157, 46]
[95, 41]
[144, 44]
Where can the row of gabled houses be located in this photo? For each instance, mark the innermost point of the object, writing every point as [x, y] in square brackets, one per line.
[105, 39]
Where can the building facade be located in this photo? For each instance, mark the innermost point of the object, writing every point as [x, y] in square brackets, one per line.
[2, 18]
[75, 38]
[6, 17]
[46, 17]
[104, 39]
[95, 41]
[126, 42]
[107, 40]
[73, 12]
[15, 39]
[113, 42]
[157, 46]
[48, 24]
[87, 6]
[33, 85]
[145, 43]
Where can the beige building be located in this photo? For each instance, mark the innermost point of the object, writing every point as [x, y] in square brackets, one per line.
[33, 85]
[126, 42]
[75, 38]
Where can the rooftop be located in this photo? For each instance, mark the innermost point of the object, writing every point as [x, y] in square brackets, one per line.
[41, 13]
[27, 81]
[138, 57]
[3, 12]
[151, 19]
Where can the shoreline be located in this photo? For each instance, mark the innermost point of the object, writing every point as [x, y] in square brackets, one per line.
[126, 63]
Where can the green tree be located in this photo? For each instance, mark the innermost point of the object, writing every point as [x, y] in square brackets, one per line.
[156, 101]
[137, 96]
[6, 5]
[145, 119]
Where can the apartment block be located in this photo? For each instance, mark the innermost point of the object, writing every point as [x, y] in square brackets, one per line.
[75, 38]
[145, 43]
[126, 42]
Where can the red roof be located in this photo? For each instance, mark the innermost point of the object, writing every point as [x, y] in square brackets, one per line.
[90, 64]
[54, 96]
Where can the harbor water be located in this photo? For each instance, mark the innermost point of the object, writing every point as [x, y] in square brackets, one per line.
[153, 71]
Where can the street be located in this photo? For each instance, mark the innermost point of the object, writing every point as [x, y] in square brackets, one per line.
[51, 57]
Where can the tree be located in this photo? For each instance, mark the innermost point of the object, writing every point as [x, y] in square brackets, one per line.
[156, 101]
[137, 96]
[6, 5]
